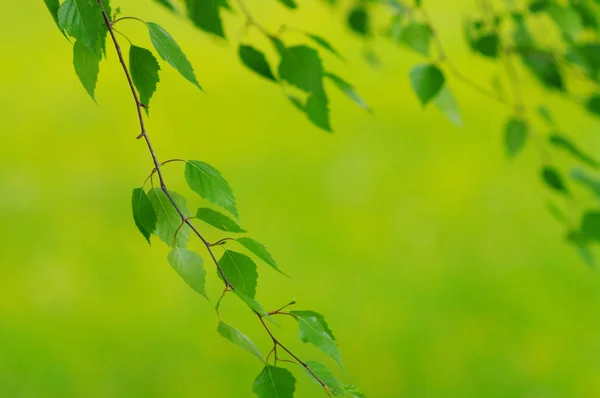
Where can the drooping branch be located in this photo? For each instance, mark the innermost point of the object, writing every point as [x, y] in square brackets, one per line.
[184, 219]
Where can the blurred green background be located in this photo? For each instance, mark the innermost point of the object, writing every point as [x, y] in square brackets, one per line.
[432, 256]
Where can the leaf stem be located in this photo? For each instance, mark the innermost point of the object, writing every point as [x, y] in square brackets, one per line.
[124, 18]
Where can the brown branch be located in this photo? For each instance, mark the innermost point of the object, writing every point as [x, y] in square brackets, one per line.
[144, 135]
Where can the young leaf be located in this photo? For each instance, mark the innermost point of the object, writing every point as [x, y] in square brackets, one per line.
[218, 220]
[259, 250]
[321, 42]
[168, 219]
[314, 330]
[301, 67]
[87, 66]
[81, 19]
[170, 51]
[593, 184]
[358, 20]
[205, 14]
[566, 145]
[487, 45]
[554, 180]
[240, 271]
[515, 133]
[325, 375]
[347, 89]
[274, 382]
[317, 110]
[593, 104]
[208, 182]
[168, 4]
[291, 4]
[240, 339]
[144, 72]
[143, 213]
[256, 61]
[190, 266]
[446, 103]
[567, 19]
[426, 81]
[590, 225]
[544, 67]
[417, 36]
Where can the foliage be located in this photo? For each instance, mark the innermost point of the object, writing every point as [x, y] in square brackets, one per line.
[499, 35]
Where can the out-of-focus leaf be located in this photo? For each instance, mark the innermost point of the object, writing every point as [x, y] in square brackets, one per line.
[417, 36]
[301, 67]
[347, 89]
[317, 110]
[565, 144]
[554, 180]
[427, 81]
[446, 103]
[205, 14]
[256, 61]
[515, 133]
[359, 21]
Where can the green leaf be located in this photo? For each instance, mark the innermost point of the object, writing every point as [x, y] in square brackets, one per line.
[252, 304]
[314, 330]
[353, 392]
[427, 81]
[317, 110]
[81, 19]
[256, 61]
[291, 4]
[358, 20]
[347, 89]
[587, 14]
[446, 103]
[515, 136]
[546, 115]
[567, 19]
[581, 243]
[325, 375]
[590, 225]
[259, 250]
[591, 183]
[240, 339]
[53, 6]
[144, 72]
[274, 382]
[544, 67]
[168, 4]
[554, 180]
[87, 66]
[240, 271]
[487, 45]
[168, 219]
[208, 182]
[593, 105]
[169, 50]
[143, 213]
[321, 42]
[566, 145]
[301, 67]
[218, 220]
[205, 14]
[417, 36]
[190, 266]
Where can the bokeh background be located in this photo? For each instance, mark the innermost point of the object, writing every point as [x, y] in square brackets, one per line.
[431, 255]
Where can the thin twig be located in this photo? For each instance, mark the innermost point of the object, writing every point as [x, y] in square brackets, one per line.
[144, 135]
